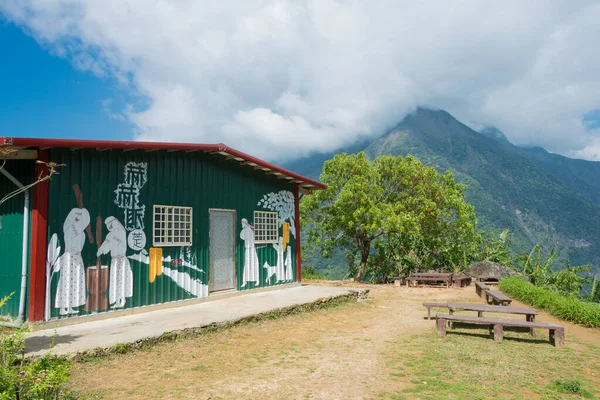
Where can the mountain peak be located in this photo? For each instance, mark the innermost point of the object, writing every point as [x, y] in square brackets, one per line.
[431, 113]
[431, 123]
[494, 133]
[535, 149]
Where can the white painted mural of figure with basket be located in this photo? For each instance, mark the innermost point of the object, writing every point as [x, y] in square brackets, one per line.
[121, 276]
[251, 266]
[283, 203]
[70, 292]
[289, 274]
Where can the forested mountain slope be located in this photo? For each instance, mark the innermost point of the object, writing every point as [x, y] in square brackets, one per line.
[542, 197]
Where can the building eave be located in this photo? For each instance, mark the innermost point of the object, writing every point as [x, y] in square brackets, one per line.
[305, 184]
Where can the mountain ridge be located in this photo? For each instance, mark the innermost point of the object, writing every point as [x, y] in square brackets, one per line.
[541, 197]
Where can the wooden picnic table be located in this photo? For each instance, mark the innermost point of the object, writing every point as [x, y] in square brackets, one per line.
[397, 280]
[461, 281]
[481, 288]
[488, 279]
[430, 277]
[494, 296]
[529, 313]
[556, 332]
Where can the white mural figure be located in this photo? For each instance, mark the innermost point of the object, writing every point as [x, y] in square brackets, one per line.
[280, 270]
[70, 292]
[289, 275]
[121, 276]
[51, 258]
[283, 203]
[251, 257]
[270, 271]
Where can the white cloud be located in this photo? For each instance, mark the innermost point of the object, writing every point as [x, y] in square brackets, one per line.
[281, 78]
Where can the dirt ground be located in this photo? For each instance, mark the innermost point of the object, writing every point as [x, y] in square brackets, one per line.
[337, 353]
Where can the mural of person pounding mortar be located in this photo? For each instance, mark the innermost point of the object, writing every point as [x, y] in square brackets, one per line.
[70, 292]
[121, 276]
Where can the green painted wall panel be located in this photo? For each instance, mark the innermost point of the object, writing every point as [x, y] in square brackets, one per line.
[198, 180]
[11, 234]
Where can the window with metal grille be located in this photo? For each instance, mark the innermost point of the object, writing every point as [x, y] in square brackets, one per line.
[266, 227]
[172, 226]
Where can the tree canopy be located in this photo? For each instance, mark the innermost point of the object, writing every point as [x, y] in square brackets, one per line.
[393, 208]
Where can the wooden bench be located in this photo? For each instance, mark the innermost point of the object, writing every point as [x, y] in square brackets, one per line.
[430, 305]
[398, 280]
[556, 332]
[529, 313]
[481, 288]
[430, 277]
[461, 281]
[496, 297]
[488, 279]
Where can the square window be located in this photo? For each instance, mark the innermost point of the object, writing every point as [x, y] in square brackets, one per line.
[266, 227]
[169, 229]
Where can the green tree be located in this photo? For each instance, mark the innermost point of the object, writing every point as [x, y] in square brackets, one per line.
[594, 295]
[567, 281]
[535, 268]
[498, 251]
[395, 199]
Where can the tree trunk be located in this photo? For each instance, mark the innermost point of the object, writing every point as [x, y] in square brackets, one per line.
[364, 256]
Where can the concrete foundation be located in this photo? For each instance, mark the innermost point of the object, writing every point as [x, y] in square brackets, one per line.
[72, 339]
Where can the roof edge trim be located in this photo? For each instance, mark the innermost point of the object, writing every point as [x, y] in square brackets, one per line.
[134, 145]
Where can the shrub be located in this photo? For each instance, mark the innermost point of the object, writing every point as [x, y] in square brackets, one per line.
[21, 378]
[567, 281]
[568, 308]
[310, 272]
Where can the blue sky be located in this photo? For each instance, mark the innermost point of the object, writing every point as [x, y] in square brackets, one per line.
[592, 119]
[42, 95]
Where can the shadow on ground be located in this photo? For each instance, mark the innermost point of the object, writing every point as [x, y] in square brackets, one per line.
[44, 342]
[533, 340]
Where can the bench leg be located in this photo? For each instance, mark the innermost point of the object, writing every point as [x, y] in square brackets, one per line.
[498, 333]
[480, 314]
[429, 313]
[557, 337]
[441, 327]
[451, 312]
[531, 318]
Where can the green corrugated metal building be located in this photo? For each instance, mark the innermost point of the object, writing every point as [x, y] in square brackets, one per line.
[133, 224]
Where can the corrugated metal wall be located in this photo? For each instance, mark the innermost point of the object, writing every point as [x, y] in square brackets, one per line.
[199, 180]
[11, 234]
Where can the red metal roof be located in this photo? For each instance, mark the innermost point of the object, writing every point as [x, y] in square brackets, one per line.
[305, 183]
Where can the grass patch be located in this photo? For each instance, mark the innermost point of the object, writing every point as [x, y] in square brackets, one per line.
[572, 387]
[467, 364]
[568, 308]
